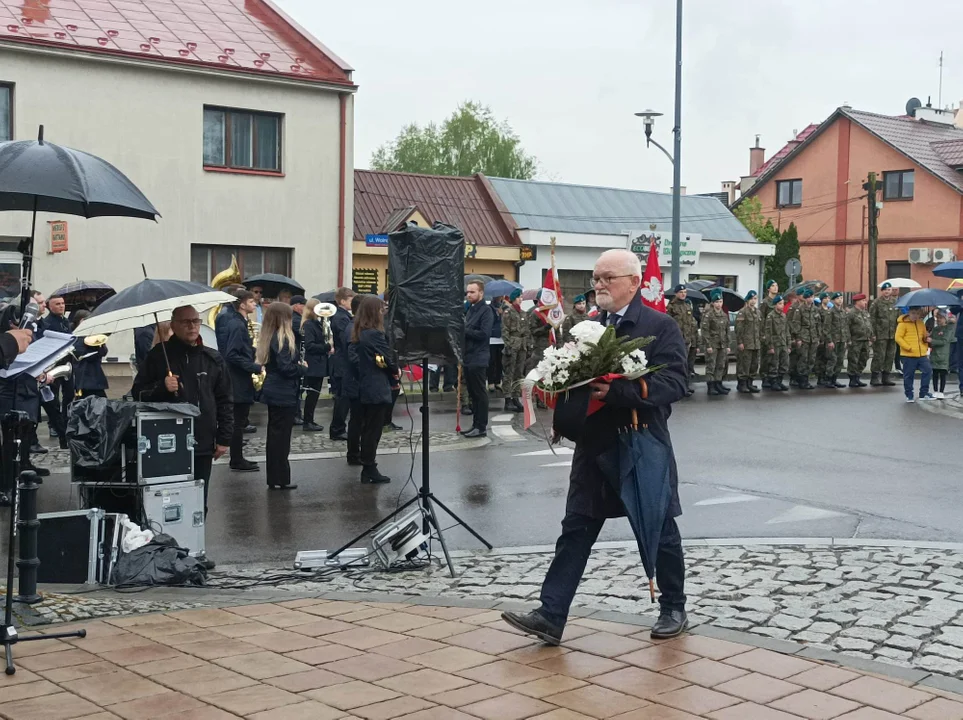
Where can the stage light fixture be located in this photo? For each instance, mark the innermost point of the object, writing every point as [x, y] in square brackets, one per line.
[400, 540]
[308, 560]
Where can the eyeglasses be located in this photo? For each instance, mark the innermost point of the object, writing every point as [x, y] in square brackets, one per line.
[606, 280]
[193, 322]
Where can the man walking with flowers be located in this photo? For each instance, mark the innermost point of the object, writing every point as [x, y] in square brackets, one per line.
[591, 499]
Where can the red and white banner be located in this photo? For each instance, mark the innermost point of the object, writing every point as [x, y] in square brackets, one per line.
[653, 295]
[549, 307]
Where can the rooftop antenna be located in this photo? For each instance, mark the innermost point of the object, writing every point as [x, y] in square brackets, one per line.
[940, 100]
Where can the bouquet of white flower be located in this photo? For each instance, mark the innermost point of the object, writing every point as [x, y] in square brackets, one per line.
[596, 353]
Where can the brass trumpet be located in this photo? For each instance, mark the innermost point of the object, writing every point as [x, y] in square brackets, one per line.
[96, 340]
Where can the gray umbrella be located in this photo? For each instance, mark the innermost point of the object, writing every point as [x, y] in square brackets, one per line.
[39, 176]
[273, 284]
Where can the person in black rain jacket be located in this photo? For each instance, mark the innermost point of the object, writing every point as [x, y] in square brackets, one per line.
[370, 355]
[342, 405]
[278, 354]
[89, 378]
[234, 344]
[352, 390]
[316, 351]
[479, 321]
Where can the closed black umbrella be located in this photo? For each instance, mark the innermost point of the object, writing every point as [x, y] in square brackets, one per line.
[75, 294]
[38, 176]
[273, 284]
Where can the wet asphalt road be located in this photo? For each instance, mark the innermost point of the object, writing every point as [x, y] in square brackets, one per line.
[844, 464]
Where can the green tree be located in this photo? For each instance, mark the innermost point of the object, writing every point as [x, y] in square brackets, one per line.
[470, 141]
[786, 248]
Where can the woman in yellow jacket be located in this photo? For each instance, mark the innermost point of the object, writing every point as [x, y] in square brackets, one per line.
[914, 350]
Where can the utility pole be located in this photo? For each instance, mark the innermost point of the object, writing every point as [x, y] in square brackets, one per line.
[677, 153]
[872, 215]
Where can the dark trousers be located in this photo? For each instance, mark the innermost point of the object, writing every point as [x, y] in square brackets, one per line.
[939, 380]
[280, 424]
[342, 406]
[476, 380]
[495, 364]
[57, 421]
[910, 365]
[389, 413]
[242, 412]
[449, 375]
[579, 533]
[203, 464]
[372, 425]
[354, 431]
[81, 393]
[311, 397]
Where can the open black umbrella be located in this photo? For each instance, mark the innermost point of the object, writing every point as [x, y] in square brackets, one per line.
[38, 176]
[273, 284]
[731, 300]
[326, 297]
[817, 286]
[700, 284]
[695, 295]
[76, 294]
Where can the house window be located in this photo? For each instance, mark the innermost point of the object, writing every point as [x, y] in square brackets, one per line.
[6, 113]
[898, 185]
[242, 140]
[208, 260]
[789, 193]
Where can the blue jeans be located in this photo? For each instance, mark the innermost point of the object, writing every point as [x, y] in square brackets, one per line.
[579, 533]
[910, 366]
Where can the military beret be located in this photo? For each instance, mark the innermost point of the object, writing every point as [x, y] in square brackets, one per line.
[778, 299]
[823, 295]
[678, 288]
[835, 295]
[857, 298]
[885, 286]
[515, 294]
[579, 298]
[716, 294]
[769, 284]
[750, 295]
[807, 293]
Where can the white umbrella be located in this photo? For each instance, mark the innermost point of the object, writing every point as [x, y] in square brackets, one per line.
[904, 283]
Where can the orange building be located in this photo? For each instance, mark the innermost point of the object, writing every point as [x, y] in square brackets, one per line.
[817, 183]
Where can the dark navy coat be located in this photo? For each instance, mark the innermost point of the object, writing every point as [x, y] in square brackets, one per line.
[374, 381]
[589, 492]
[315, 349]
[479, 321]
[57, 323]
[89, 372]
[234, 344]
[350, 388]
[296, 327]
[283, 381]
[339, 322]
[143, 342]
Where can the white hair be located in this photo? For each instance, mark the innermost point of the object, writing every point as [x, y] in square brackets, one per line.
[625, 259]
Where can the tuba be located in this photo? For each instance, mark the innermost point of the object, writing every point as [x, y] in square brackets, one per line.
[231, 276]
[326, 311]
[254, 330]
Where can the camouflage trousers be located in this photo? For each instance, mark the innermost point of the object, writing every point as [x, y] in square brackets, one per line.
[840, 358]
[819, 360]
[884, 355]
[778, 364]
[829, 361]
[858, 356]
[717, 362]
[804, 361]
[764, 361]
[513, 371]
[747, 364]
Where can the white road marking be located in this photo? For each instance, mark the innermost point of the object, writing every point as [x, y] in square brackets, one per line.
[556, 451]
[505, 432]
[728, 499]
[802, 513]
[502, 418]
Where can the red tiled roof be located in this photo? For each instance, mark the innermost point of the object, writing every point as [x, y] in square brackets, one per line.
[468, 203]
[787, 148]
[251, 36]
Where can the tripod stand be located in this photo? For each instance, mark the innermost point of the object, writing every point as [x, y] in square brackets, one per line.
[15, 428]
[425, 498]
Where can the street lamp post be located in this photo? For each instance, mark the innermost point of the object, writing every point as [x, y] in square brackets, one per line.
[648, 119]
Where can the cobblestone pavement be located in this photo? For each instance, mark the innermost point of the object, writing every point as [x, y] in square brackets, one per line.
[328, 659]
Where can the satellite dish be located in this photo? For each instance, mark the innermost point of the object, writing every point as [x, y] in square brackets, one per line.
[912, 105]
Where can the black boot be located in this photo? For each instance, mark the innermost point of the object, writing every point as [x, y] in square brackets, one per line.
[780, 385]
[750, 383]
[860, 383]
[804, 383]
[767, 383]
[874, 380]
[854, 381]
[712, 389]
[886, 381]
[509, 407]
[741, 387]
[829, 383]
[722, 388]
[771, 383]
[370, 475]
[836, 382]
[670, 624]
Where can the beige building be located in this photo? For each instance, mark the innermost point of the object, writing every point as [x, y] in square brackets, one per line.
[233, 121]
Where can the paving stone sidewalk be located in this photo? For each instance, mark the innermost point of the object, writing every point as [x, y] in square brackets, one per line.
[326, 659]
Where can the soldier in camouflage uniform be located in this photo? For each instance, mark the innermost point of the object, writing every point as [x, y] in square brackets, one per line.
[765, 307]
[861, 336]
[715, 339]
[841, 338]
[748, 341]
[540, 333]
[577, 315]
[797, 302]
[802, 329]
[516, 335]
[680, 310]
[819, 359]
[775, 342]
[884, 314]
[828, 335]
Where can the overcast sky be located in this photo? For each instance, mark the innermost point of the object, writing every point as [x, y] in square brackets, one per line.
[569, 74]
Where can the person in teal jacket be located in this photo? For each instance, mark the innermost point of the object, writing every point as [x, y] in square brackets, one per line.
[942, 338]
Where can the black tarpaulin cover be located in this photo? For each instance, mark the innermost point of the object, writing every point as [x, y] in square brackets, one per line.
[96, 427]
[160, 562]
[426, 297]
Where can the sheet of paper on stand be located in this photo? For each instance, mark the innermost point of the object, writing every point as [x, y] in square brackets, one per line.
[40, 355]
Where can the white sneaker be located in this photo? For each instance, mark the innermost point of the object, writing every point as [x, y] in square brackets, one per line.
[938, 395]
[910, 400]
[928, 396]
